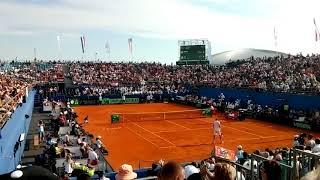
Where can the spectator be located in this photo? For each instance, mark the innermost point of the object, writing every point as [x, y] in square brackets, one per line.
[79, 140]
[67, 140]
[224, 171]
[68, 164]
[310, 143]
[269, 170]
[100, 145]
[189, 170]
[126, 173]
[313, 175]
[92, 157]
[171, 171]
[41, 130]
[316, 148]
[239, 154]
[155, 168]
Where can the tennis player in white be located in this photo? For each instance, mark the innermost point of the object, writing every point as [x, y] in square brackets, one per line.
[217, 131]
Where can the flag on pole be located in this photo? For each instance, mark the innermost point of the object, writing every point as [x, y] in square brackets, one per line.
[275, 37]
[82, 43]
[59, 42]
[317, 33]
[59, 46]
[107, 47]
[35, 53]
[130, 45]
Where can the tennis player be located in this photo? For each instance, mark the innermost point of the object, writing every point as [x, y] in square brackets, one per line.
[86, 119]
[217, 131]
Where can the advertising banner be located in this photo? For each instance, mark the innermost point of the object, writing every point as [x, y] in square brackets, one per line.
[301, 125]
[225, 153]
[120, 101]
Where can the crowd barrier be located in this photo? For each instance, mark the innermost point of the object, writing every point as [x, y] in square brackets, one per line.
[306, 160]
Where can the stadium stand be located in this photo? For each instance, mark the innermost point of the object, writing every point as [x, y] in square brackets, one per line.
[70, 152]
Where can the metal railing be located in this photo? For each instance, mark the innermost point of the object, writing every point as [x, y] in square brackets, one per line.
[304, 162]
[286, 170]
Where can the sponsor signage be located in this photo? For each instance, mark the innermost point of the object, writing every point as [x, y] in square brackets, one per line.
[302, 125]
[120, 101]
[225, 153]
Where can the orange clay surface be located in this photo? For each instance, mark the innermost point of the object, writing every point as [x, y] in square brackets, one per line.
[183, 140]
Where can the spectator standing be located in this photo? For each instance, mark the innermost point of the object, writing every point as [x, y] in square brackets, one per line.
[239, 154]
[316, 148]
[41, 130]
[310, 142]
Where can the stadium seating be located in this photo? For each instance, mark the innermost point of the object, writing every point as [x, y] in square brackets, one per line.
[292, 74]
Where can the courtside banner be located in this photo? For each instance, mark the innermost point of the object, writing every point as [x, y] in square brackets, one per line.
[74, 102]
[120, 101]
[225, 153]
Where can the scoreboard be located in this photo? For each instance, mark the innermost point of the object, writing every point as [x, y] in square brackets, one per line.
[193, 53]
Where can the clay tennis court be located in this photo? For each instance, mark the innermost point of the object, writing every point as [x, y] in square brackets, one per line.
[140, 143]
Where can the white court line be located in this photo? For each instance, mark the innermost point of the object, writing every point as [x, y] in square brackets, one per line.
[183, 130]
[117, 128]
[165, 147]
[178, 124]
[226, 141]
[242, 131]
[154, 134]
[143, 137]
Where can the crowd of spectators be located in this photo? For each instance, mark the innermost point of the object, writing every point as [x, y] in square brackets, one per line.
[64, 139]
[297, 74]
[12, 92]
[281, 114]
[15, 80]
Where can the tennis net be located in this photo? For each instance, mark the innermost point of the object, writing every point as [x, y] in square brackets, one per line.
[158, 116]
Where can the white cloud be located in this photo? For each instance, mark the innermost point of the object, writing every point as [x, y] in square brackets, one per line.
[172, 19]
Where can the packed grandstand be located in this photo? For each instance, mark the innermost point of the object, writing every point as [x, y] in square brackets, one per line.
[64, 84]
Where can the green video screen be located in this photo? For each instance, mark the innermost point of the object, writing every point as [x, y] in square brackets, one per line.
[192, 52]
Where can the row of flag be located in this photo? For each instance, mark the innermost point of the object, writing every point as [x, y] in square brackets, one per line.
[107, 45]
[83, 45]
[316, 30]
[317, 33]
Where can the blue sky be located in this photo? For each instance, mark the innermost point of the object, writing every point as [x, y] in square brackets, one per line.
[154, 25]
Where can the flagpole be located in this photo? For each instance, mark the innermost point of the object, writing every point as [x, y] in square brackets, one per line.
[35, 54]
[317, 35]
